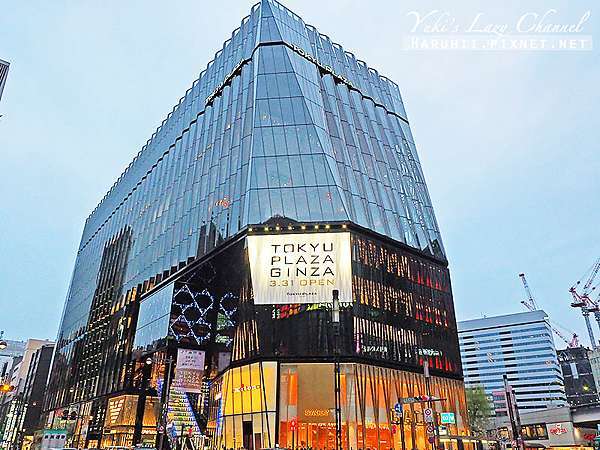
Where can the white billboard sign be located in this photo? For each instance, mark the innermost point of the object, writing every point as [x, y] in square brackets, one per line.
[300, 268]
[189, 371]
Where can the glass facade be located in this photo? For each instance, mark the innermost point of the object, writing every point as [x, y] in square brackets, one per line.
[283, 126]
[153, 319]
[401, 314]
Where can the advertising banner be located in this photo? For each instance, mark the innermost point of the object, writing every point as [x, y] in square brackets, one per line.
[189, 370]
[300, 268]
[316, 398]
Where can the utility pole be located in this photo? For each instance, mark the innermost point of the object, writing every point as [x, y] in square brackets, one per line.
[397, 414]
[513, 414]
[164, 400]
[145, 372]
[335, 319]
[434, 444]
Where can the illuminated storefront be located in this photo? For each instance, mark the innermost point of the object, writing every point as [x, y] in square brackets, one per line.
[552, 427]
[120, 421]
[244, 407]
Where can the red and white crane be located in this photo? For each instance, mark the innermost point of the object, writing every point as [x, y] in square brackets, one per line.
[530, 304]
[582, 298]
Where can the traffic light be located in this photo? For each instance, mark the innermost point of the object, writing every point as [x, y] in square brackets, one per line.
[4, 388]
[73, 415]
[65, 414]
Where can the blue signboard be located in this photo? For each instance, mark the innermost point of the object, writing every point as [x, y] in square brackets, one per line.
[448, 417]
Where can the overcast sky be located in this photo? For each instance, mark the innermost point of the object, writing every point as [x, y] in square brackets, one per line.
[509, 141]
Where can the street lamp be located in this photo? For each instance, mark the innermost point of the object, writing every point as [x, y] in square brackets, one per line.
[164, 401]
[145, 370]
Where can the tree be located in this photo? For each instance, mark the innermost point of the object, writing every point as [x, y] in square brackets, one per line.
[479, 409]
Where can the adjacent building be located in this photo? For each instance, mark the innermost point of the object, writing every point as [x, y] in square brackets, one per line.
[14, 349]
[10, 357]
[268, 267]
[522, 347]
[33, 393]
[553, 428]
[3, 75]
[20, 409]
[580, 385]
[594, 356]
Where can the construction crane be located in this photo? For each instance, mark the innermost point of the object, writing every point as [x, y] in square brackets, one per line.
[530, 302]
[582, 300]
[531, 305]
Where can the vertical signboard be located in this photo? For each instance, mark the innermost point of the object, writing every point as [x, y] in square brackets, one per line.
[300, 268]
[189, 370]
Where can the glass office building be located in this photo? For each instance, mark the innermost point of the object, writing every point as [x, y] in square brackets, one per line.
[287, 143]
[519, 346]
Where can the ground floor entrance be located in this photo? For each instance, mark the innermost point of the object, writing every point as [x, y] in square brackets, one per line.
[268, 404]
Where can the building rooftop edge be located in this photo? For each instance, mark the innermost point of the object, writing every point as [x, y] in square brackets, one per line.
[252, 9]
[500, 320]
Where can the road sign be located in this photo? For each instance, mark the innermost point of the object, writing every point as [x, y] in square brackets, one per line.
[431, 439]
[428, 415]
[398, 408]
[430, 429]
[448, 417]
[419, 399]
